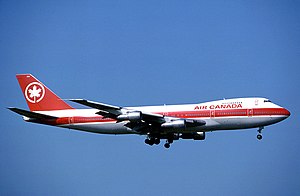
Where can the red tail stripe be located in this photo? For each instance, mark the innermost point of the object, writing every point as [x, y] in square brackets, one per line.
[38, 96]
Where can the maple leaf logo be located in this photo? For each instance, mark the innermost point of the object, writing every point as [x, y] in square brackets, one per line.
[34, 92]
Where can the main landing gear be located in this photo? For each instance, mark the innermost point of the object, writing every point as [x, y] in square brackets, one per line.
[259, 135]
[168, 143]
[154, 140]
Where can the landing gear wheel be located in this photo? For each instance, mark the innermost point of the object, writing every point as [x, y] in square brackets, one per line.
[170, 140]
[157, 141]
[259, 137]
[167, 145]
[149, 141]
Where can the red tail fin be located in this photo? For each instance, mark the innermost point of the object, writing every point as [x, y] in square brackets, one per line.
[38, 96]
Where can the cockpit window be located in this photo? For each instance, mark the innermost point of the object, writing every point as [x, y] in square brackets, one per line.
[267, 100]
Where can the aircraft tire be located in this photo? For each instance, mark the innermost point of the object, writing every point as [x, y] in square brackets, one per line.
[259, 137]
[167, 145]
[157, 141]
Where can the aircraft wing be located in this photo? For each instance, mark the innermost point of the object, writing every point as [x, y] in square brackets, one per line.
[121, 113]
[115, 110]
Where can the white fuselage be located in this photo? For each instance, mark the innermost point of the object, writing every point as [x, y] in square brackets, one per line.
[240, 113]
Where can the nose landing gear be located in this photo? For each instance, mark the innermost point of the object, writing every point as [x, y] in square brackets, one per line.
[259, 135]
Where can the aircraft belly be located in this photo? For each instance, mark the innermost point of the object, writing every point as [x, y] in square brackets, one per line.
[107, 128]
[239, 122]
[212, 124]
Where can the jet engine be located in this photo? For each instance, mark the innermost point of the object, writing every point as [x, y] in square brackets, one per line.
[131, 116]
[177, 124]
[194, 136]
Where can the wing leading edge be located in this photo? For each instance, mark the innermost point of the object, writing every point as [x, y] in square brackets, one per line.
[122, 114]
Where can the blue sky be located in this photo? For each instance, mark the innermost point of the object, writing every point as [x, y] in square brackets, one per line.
[132, 53]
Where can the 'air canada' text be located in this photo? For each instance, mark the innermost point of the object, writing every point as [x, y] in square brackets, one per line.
[222, 106]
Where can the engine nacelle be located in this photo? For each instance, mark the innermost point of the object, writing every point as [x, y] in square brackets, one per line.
[194, 136]
[199, 136]
[177, 124]
[132, 116]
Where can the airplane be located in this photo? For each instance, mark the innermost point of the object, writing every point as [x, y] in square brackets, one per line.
[169, 122]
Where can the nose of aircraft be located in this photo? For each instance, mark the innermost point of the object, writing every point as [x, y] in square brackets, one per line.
[283, 114]
[286, 112]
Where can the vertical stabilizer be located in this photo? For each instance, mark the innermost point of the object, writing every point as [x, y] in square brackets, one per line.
[38, 96]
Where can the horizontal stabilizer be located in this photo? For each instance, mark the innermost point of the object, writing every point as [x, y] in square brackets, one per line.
[31, 114]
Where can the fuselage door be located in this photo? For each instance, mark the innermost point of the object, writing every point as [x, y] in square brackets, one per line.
[165, 112]
[250, 112]
[71, 120]
[212, 113]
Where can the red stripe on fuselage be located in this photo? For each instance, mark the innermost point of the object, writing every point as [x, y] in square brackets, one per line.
[180, 114]
[231, 113]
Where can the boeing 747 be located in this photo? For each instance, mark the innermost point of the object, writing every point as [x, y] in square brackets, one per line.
[169, 122]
